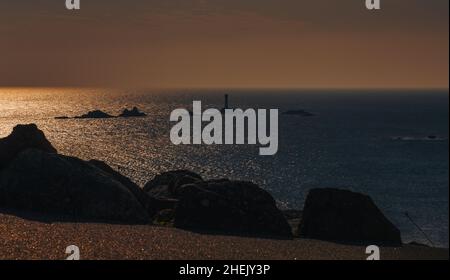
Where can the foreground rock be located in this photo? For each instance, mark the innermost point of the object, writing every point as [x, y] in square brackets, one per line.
[340, 215]
[224, 206]
[68, 188]
[132, 113]
[230, 207]
[21, 138]
[35, 179]
[166, 185]
[152, 204]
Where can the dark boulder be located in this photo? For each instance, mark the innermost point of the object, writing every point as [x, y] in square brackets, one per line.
[152, 204]
[230, 207]
[132, 113]
[166, 185]
[69, 188]
[96, 114]
[341, 215]
[21, 138]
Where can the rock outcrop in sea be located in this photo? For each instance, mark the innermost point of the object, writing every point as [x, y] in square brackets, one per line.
[342, 215]
[132, 113]
[98, 114]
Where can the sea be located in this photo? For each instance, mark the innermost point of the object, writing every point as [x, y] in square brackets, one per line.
[390, 144]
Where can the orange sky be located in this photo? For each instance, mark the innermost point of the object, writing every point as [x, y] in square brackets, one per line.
[225, 43]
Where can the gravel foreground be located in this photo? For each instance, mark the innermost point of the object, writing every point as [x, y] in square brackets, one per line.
[22, 239]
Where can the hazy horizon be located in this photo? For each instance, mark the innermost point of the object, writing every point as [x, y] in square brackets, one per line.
[291, 44]
[225, 88]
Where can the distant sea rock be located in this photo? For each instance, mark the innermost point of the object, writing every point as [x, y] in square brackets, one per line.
[97, 114]
[67, 187]
[230, 207]
[132, 113]
[22, 138]
[341, 215]
[419, 138]
[302, 113]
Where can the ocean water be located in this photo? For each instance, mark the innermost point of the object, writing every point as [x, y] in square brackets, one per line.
[375, 142]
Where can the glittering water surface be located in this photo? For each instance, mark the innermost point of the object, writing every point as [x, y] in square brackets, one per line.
[373, 142]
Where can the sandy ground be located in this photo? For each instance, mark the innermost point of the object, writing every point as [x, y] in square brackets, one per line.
[24, 239]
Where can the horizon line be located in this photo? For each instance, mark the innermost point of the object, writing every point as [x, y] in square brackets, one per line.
[234, 88]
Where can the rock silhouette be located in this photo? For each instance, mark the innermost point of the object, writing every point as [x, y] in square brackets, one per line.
[21, 138]
[132, 113]
[96, 114]
[166, 185]
[34, 178]
[67, 187]
[341, 215]
[152, 204]
[230, 207]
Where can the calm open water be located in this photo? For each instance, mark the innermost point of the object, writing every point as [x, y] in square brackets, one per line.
[372, 142]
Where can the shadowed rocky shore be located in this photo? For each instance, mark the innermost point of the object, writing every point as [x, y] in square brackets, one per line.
[39, 184]
[27, 239]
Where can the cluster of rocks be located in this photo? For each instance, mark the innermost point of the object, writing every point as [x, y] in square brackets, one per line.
[35, 178]
[98, 114]
[219, 205]
[132, 113]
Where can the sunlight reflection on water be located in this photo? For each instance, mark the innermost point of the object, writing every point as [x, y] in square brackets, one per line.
[348, 144]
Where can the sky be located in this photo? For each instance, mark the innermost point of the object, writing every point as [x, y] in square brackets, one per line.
[225, 44]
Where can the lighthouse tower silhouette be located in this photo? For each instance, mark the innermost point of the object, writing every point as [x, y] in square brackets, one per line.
[226, 105]
[226, 102]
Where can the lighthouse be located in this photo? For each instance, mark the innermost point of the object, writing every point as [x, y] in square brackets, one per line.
[226, 102]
